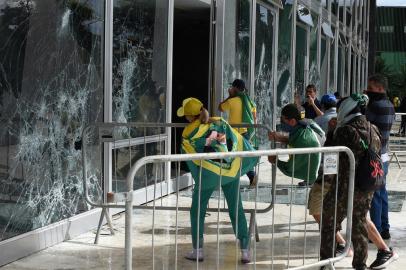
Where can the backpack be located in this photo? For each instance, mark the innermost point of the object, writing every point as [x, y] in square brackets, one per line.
[369, 173]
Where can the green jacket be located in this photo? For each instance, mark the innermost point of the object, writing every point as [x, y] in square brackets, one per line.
[306, 134]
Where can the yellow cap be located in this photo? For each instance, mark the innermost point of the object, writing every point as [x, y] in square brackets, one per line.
[190, 106]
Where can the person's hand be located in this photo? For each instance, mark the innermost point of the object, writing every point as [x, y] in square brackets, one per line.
[277, 137]
[310, 100]
[272, 159]
[273, 135]
[332, 124]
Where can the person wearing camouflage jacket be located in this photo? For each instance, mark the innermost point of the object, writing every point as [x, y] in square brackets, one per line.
[352, 131]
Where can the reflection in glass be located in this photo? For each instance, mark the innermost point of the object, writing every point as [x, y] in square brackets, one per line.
[340, 70]
[305, 15]
[139, 60]
[236, 41]
[263, 66]
[314, 74]
[51, 88]
[323, 63]
[284, 90]
[301, 54]
[331, 87]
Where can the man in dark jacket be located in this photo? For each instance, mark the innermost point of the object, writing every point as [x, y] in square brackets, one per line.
[381, 113]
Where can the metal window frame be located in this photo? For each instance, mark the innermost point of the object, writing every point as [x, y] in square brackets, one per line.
[108, 92]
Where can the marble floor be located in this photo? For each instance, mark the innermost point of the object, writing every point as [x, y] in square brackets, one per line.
[220, 247]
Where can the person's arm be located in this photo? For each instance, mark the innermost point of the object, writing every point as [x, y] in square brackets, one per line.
[278, 137]
[314, 105]
[224, 105]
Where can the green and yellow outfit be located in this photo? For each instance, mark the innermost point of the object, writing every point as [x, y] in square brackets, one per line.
[194, 140]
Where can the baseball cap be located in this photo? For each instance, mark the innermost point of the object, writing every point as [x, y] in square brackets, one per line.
[239, 84]
[328, 99]
[190, 106]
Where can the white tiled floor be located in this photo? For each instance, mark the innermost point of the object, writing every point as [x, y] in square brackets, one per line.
[81, 253]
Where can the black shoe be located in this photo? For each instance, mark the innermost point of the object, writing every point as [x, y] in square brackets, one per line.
[384, 258]
[385, 234]
[340, 249]
[303, 184]
[253, 180]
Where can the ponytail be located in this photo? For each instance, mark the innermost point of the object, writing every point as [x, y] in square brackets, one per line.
[204, 116]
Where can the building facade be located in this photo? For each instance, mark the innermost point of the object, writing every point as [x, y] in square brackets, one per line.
[391, 47]
[65, 64]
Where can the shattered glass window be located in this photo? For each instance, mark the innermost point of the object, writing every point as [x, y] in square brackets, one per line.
[51, 88]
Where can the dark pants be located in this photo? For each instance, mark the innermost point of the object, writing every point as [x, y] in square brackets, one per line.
[379, 206]
[359, 235]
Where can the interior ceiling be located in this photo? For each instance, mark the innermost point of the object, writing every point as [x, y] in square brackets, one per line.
[192, 4]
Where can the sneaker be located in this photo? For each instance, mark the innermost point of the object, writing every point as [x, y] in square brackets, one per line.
[253, 181]
[384, 258]
[245, 256]
[385, 234]
[195, 254]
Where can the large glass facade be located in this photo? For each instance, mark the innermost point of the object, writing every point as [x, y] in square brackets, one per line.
[51, 88]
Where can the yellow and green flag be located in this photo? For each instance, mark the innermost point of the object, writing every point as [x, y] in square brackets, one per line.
[198, 138]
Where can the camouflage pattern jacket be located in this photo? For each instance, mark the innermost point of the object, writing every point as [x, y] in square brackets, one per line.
[351, 135]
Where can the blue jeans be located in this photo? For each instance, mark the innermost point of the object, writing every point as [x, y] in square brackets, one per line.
[379, 205]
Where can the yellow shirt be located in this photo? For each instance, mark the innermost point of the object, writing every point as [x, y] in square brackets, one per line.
[234, 108]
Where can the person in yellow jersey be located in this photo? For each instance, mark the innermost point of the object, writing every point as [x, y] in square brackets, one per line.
[205, 134]
[241, 109]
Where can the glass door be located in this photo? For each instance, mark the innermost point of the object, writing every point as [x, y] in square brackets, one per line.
[264, 67]
[139, 87]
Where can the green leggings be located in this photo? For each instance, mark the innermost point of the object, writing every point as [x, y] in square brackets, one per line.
[230, 192]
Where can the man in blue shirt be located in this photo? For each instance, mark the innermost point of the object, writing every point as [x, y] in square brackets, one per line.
[381, 113]
[328, 105]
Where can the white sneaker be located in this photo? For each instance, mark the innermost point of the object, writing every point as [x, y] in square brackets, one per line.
[245, 256]
[195, 254]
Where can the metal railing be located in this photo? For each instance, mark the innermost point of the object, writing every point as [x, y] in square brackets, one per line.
[107, 134]
[397, 140]
[156, 159]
